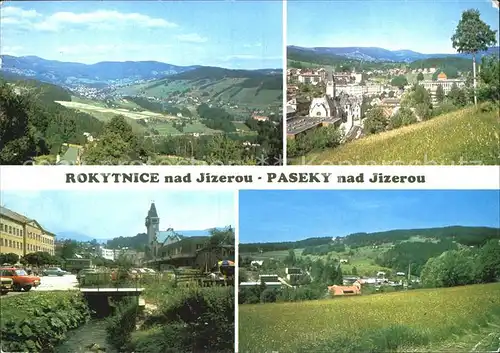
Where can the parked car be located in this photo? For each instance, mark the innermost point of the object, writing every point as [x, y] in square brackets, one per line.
[6, 285]
[53, 271]
[21, 280]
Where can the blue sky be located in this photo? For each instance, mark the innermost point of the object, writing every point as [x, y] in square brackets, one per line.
[109, 214]
[424, 26]
[289, 215]
[233, 34]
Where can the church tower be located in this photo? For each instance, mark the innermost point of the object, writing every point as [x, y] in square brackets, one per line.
[152, 224]
[330, 85]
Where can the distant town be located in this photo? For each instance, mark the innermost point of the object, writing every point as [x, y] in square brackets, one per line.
[343, 99]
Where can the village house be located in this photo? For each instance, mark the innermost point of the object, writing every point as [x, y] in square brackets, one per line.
[336, 290]
[260, 118]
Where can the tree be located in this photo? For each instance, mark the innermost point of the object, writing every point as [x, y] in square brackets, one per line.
[9, 258]
[488, 262]
[420, 77]
[39, 258]
[490, 79]
[440, 94]
[224, 151]
[399, 81]
[291, 259]
[68, 249]
[354, 271]
[375, 121]
[457, 96]
[472, 36]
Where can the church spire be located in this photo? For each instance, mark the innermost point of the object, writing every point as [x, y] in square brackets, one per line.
[152, 211]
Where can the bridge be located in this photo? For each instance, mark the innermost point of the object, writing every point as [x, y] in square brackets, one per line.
[112, 292]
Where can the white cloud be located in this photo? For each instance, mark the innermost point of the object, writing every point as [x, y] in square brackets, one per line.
[192, 38]
[15, 16]
[12, 11]
[100, 19]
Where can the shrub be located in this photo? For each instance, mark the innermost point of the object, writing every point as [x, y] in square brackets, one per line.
[40, 320]
[122, 324]
[268, 295]
[190, 320]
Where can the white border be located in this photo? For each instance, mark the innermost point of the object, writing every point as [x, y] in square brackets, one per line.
[436, 177]
[236, 274]
[285, 81]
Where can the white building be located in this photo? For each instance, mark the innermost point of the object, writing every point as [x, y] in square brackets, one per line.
[108, 254]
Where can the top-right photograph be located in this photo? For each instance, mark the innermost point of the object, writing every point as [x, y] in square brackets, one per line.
[393, 82]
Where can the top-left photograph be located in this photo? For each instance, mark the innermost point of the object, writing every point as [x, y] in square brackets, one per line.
[141, 83]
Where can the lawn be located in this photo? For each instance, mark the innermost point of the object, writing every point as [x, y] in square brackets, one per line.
[388, 322]
[465, 137]
[197, 127]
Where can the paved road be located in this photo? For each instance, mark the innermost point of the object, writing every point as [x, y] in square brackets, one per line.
[50, 283]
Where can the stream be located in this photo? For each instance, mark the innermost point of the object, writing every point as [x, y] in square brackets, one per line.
[86, 338]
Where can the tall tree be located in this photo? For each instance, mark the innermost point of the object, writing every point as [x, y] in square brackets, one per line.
[420, 76]
[440, 94]
[472, 36]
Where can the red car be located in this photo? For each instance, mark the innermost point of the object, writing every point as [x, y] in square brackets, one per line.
[21, 279]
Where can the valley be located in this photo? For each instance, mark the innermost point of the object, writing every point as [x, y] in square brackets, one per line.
[182, 116]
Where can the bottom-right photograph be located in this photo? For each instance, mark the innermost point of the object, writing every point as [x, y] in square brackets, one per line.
[369, 271]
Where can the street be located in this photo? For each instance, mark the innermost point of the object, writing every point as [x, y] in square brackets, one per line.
[50, 283]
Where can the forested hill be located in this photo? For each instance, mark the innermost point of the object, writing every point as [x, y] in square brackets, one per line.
[41, 126]
[470, 236]
[218, 73]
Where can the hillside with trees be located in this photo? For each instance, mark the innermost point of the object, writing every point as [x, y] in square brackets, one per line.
[32, 124]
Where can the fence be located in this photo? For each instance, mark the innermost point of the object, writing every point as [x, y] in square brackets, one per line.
[125, 280]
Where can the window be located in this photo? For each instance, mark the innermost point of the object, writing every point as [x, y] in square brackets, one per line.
[10, 230]
[10, 243]
[1, 226]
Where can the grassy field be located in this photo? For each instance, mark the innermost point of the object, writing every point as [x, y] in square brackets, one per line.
[467, 137]
[458, 318]
[225, 90]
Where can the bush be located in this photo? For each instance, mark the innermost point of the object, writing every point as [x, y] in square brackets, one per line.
[190, 320]
[39, 321]
[268, 295]
[121, 325]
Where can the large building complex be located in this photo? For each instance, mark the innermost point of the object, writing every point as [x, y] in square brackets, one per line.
[22, 235]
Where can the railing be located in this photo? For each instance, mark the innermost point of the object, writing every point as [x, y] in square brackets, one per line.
[106, 280]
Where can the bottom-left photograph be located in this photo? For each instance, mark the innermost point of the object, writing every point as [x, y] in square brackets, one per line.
[117, 271]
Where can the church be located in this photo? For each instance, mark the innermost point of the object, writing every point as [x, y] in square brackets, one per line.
[170, 248]
[338, 108]
[157, 238]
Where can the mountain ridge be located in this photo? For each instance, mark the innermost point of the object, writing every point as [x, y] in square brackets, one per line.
[98, 74]
[380, 54]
